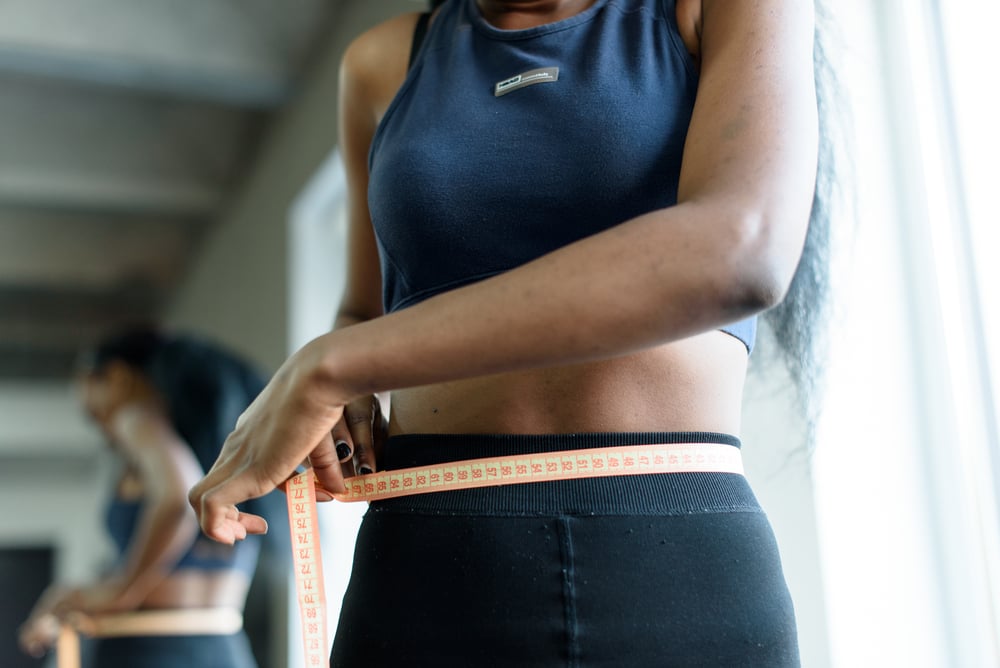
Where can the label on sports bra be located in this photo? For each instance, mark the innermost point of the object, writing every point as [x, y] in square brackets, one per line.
[529, 78]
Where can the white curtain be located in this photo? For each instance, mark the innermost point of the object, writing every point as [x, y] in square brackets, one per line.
[908, 456]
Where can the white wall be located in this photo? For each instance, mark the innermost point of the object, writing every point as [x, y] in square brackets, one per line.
[779, 469]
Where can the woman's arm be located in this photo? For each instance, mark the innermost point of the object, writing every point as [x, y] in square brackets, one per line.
[372, 69]
[374, 57]
[167, 468]
[727, 250]
[166, 526]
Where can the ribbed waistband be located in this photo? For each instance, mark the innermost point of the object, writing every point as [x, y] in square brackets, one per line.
[659, 494]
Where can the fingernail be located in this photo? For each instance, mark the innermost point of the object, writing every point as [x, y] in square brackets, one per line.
[323, 496]
[343, 450]
[365, 470]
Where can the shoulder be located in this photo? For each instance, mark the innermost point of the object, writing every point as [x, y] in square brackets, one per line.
[377, 59]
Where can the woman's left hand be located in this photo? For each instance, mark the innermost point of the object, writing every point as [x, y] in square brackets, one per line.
[290, 422]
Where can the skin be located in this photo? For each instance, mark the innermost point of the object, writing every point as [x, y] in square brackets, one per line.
[564, 343]
[160, 469]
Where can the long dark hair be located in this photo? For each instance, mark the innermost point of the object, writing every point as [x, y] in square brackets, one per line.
[800, 323]
[204, 387]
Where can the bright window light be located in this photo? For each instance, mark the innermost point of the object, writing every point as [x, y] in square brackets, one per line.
[907, 459]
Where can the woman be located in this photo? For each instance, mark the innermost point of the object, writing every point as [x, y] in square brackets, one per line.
[173, 598]
[579, 208]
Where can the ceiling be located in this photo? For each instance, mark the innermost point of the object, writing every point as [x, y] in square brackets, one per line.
[124, 128]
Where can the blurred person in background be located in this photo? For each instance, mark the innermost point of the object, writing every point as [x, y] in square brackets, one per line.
[173, 598]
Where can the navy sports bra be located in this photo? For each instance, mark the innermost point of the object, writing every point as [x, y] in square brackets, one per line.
[504, 145]
[203, 553]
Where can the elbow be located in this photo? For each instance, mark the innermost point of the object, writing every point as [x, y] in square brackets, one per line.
[760, 286]
[761, 264]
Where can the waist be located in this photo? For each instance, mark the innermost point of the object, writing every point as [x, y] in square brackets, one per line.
[695, 384]
[196, 589]
[642, 494]
[174, 622]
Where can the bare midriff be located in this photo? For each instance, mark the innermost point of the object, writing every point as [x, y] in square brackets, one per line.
[691, 385]
[194, 588]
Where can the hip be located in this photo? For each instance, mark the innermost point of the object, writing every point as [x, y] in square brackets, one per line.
[169, 651]
[668, 569]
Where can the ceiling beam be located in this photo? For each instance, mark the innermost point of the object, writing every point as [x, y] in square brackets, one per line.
[243, 53]
[68, 146]
[42, 331]
[76, 191]
[61, 250]
[264, 91]
[34, 364]
[52, 307]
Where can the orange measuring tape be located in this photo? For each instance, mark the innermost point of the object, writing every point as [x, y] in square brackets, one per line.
[470, 474]
[308, 563]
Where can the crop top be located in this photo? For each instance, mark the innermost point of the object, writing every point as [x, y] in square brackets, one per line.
[504, 145]
[203, 554]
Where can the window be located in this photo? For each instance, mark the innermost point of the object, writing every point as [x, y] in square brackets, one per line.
[907, 459]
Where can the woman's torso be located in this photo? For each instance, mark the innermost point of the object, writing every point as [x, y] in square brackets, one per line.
[691, 385]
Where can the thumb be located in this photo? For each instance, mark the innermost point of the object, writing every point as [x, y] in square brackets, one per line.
[326, 465]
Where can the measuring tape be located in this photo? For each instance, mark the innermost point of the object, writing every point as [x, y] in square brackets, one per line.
[470, 474]
[544, 467]
[308, 563]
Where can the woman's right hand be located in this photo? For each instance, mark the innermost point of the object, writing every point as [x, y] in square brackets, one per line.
[38, 634]
[358, 436]
[41, 630]
[289, 422]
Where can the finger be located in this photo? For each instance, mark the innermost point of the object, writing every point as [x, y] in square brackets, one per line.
[359, 418]
[37, 635]
[34, 647]
[326, 466]
[347, 470]
[380, 427]
[219, 517]
[221, 470]
[254, 524]
[26, 639]
[215, 496]
[343, 441]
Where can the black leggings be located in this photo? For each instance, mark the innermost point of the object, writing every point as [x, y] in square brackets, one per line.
[202, 651]
[653, 570]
